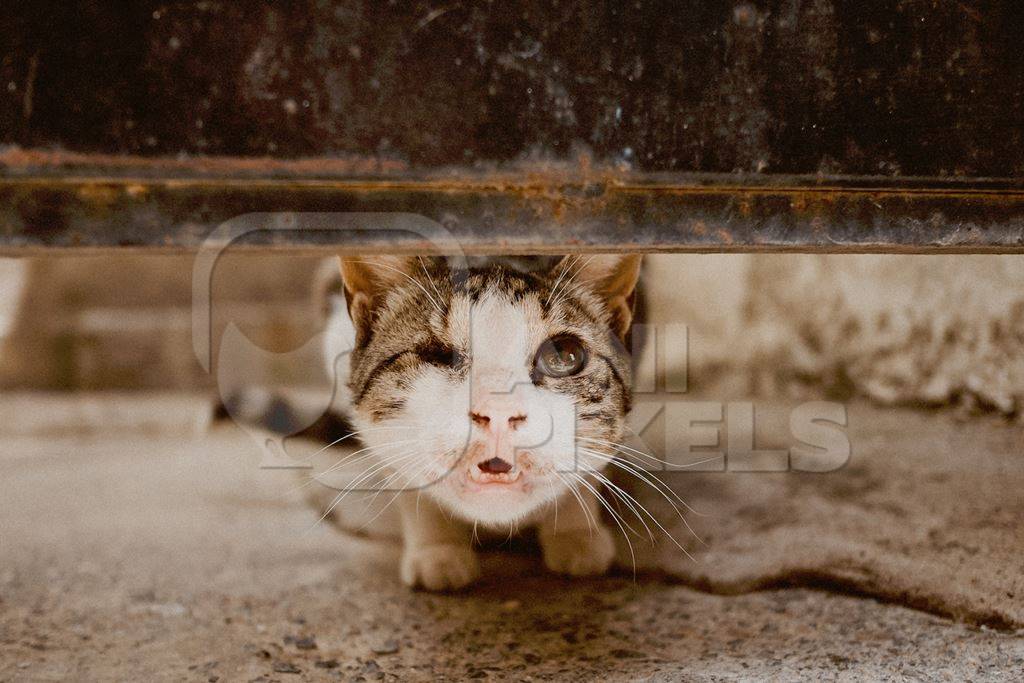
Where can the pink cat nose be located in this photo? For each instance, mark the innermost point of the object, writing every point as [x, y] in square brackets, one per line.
[495, 466]
[484, 420]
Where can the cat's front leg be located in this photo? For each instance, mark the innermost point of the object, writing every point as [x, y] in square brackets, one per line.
[575, 541]
[437, 554]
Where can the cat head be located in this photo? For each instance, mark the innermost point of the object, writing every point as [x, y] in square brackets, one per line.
[475, 385]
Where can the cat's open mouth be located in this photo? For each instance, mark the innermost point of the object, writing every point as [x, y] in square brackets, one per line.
[488, 480]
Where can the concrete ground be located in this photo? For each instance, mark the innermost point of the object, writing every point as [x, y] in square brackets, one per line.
[154, 556]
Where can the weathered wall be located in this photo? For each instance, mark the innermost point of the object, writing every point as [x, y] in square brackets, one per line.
[125, 322]
[900, 329]
[12, 278]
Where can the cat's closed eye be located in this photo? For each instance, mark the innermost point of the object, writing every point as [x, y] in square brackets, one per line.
[563, 355]
[441, 355]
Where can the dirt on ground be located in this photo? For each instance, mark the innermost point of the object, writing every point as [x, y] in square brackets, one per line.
[155, 556]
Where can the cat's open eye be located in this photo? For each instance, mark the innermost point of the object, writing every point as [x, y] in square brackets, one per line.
[561, 356]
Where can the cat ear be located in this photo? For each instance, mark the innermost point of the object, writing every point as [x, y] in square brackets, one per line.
[372, 275]
[366, 281]
[613, 277]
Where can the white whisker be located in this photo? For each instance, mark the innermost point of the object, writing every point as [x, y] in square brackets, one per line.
[568, 291]
[629, 500]
[615, 517]
[568, 267]
[370, 451]
[347, 460]
[366, 474]
[554, 287]
[639, 474]
[668, 533]
[579, 499]
[408, 277]
[430, 279]
[626, 450]
[399, 492]
[351, 434]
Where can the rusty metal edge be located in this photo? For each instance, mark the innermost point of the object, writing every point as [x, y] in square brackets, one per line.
[51, 214]
[552, 180]
[43, 164]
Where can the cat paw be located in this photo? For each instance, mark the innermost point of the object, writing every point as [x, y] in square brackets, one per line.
[441, 567]
[580, 552]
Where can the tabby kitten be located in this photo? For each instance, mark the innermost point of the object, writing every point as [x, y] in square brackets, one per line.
[475, 386]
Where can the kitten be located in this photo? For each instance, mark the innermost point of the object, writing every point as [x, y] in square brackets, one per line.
[489, 395]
